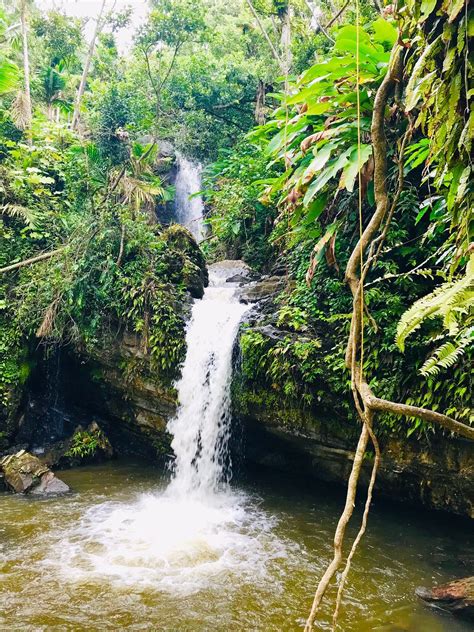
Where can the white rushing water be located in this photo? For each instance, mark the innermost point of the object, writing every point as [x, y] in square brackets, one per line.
[189, 210]
[201, 427]
[187, 537]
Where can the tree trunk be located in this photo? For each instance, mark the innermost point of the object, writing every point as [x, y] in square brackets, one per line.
[286, 40]
[260, 103]
[85, 72]
[26, 69]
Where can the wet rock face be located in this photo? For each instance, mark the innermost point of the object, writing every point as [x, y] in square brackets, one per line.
[456, 597]
[264, 290]
[438, 474]
[25, 473]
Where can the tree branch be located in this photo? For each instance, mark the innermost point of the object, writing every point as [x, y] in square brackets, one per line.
[338, 14]
[396, 408]
[27, 262]
[266, 36]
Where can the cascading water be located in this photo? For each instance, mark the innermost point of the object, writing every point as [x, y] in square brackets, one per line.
[189, 210]
[201, 427]
[184, 538]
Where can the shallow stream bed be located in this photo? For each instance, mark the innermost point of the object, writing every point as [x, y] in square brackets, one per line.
[122, 553]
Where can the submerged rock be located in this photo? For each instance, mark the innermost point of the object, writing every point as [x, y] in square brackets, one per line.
[24, 473]
[456, 597]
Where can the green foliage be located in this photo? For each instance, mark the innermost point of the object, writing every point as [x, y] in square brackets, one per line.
[284, 195]
[453, 304]
[115, 269]
[240, 222]
[311, 146]
[289, 366]
[438, 97]
[86, 444]
[60, 37]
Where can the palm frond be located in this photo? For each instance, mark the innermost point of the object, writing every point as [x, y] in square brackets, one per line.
[19, 211]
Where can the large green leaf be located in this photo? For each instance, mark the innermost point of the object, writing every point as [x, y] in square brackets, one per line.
[331, 170]
[319, 161]
[354, 166]
[316, 88]
[454, 8]
[427, 7]
[9, 75]
[384, 32]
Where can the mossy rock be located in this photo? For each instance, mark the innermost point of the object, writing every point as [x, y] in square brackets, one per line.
[181, 240]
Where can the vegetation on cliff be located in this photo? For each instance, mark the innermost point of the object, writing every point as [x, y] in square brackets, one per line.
[290, 194]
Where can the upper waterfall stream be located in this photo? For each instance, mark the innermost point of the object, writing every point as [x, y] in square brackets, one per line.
[189, 206]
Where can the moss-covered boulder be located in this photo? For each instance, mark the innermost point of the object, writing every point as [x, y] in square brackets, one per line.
[189, 259]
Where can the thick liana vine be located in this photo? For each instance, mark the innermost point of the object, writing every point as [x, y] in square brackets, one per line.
[367, 404]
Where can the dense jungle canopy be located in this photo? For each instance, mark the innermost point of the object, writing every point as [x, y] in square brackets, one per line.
[79, 180]
[336, 139]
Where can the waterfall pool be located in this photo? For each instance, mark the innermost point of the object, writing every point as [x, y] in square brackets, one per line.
[122, 553]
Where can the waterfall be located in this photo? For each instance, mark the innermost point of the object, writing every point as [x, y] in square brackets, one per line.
[201, 426]
[189, 211]
[198, 533]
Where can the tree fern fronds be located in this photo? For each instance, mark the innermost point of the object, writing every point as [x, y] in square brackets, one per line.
[452, 301]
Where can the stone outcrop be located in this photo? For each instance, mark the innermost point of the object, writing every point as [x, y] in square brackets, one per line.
[437, 475]
[123, 393]
[24, 473]
[456, 597]
[191, 262]
[264, 290]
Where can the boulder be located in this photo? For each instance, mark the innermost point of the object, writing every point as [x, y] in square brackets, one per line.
[267, 288]
[238, 278]
[456, 597]
[50, 484]
[23, 473]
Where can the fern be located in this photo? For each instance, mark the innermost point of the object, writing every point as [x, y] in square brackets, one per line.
[450, 301]
[447, 354]
[453, 302]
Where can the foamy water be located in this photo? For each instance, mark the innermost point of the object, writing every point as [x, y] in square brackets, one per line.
[173, 545]
[201, 427]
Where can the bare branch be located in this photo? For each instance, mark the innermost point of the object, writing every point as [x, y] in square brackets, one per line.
[27, 262]
[85, 72]
[338, 14]
[267, 37]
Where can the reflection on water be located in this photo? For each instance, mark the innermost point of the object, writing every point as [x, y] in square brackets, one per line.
[122, 553]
